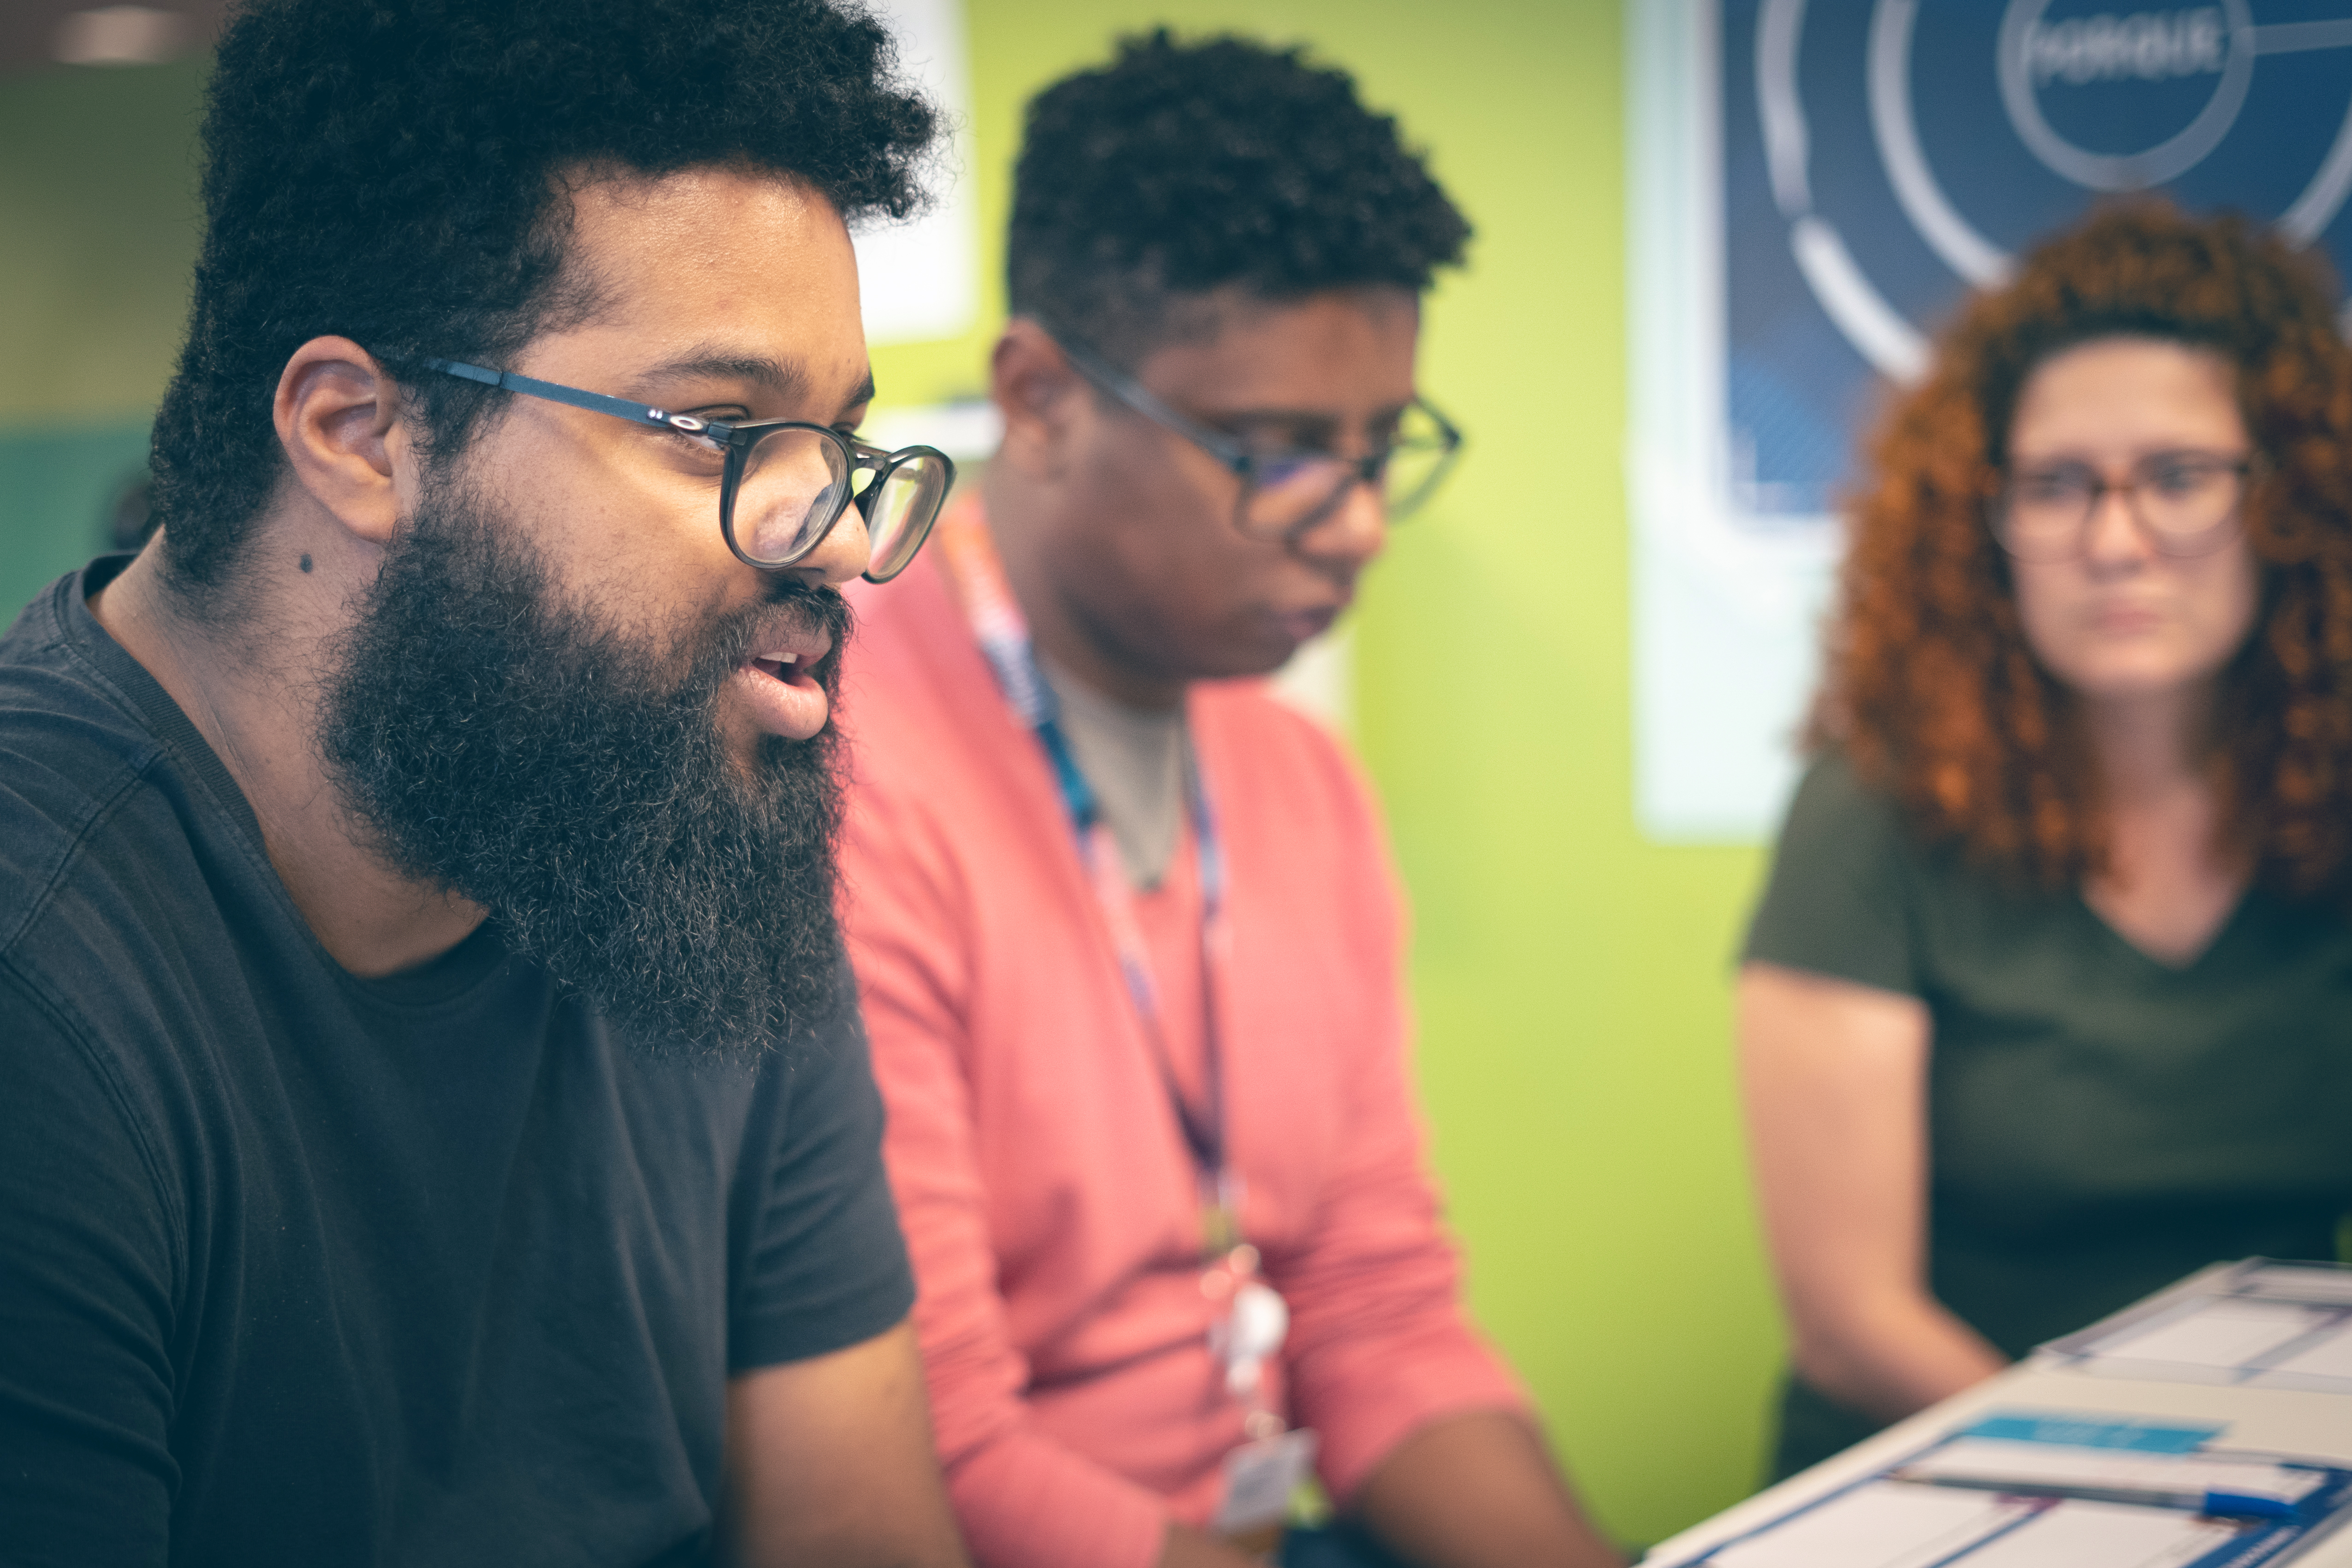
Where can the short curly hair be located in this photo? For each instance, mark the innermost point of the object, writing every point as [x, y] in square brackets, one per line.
[1930, 688]
[1180, 169]
[393, 171]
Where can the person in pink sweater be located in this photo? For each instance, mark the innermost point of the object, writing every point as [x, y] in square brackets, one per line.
[1124, 925]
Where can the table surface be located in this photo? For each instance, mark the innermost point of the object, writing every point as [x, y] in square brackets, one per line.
[2286, 1421]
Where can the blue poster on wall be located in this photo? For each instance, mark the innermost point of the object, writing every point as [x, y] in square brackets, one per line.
[1816, 184]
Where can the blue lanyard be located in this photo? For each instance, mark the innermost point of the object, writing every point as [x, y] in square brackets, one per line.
[1002, 634]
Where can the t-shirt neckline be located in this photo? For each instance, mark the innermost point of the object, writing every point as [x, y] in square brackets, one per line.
[131, 681]
[2195, 961]
[446, 976]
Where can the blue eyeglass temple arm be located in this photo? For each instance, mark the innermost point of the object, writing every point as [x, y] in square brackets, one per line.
[596, 403]
[1141, 398]
[863, 456]
[1233, 454]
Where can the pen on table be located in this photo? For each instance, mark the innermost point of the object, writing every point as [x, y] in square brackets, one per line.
[2218, 1504]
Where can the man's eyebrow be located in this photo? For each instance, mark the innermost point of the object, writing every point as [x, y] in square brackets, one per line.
[784, 381]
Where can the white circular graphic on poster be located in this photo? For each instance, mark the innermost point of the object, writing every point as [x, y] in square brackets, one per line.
[2202, 43]
[1863, 164]
[1985, 128]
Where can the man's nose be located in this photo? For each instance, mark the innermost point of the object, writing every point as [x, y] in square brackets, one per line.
[843, 553]
[1353, 531]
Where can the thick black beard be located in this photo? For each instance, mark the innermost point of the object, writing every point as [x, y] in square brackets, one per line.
[506, 746]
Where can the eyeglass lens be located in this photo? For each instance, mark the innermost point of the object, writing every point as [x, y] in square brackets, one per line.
[2185, 503]
[793, 484]
[900, 507]
[1290, 490]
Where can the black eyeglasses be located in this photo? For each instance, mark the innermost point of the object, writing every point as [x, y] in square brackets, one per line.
[1286, 491]
[2186, 504]
[783, 483]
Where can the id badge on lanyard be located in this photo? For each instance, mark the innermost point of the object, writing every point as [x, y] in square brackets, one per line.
[1249, 1319]
[1261, 1475]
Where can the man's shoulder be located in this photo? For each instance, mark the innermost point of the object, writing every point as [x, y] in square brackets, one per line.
[1261, 745]
[105, 844]
[1258, 704]
[81, 925]
[917, 702]
[71, 757]
[911, 647]
[1298, 818]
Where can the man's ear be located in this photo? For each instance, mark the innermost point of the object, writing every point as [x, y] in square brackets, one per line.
[1038, 392]
[338, 415]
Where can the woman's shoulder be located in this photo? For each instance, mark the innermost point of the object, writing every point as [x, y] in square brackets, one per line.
[1837, 812]
[1846, 880]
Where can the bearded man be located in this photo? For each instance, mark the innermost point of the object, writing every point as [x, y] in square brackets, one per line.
[438, 1129]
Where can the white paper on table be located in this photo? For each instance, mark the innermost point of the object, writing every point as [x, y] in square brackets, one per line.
[2329, 1357]
[2312, 1284]
[2223, 1334]
[2104, 1535]
[1881, 1524]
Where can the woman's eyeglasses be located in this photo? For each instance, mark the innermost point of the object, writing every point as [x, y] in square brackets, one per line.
[2185, 503]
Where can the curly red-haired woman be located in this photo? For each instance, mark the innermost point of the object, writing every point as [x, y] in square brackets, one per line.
[2049, 1001]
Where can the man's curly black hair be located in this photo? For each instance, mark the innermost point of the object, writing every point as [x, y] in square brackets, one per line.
[393, 171]
[1183, 168]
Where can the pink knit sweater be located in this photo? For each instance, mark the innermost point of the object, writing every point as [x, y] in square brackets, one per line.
[1044, 1185]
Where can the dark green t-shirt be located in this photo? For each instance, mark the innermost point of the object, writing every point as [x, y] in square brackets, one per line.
[2099, 1123]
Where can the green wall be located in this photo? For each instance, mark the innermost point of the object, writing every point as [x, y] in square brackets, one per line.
[1572, 979]
[98, 230]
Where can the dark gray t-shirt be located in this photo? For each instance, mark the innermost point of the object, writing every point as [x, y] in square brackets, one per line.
[297, 1267]
[2100, 1124]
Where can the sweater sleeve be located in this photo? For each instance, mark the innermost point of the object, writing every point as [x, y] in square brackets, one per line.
[1020, 1496]
[1380, 1343]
